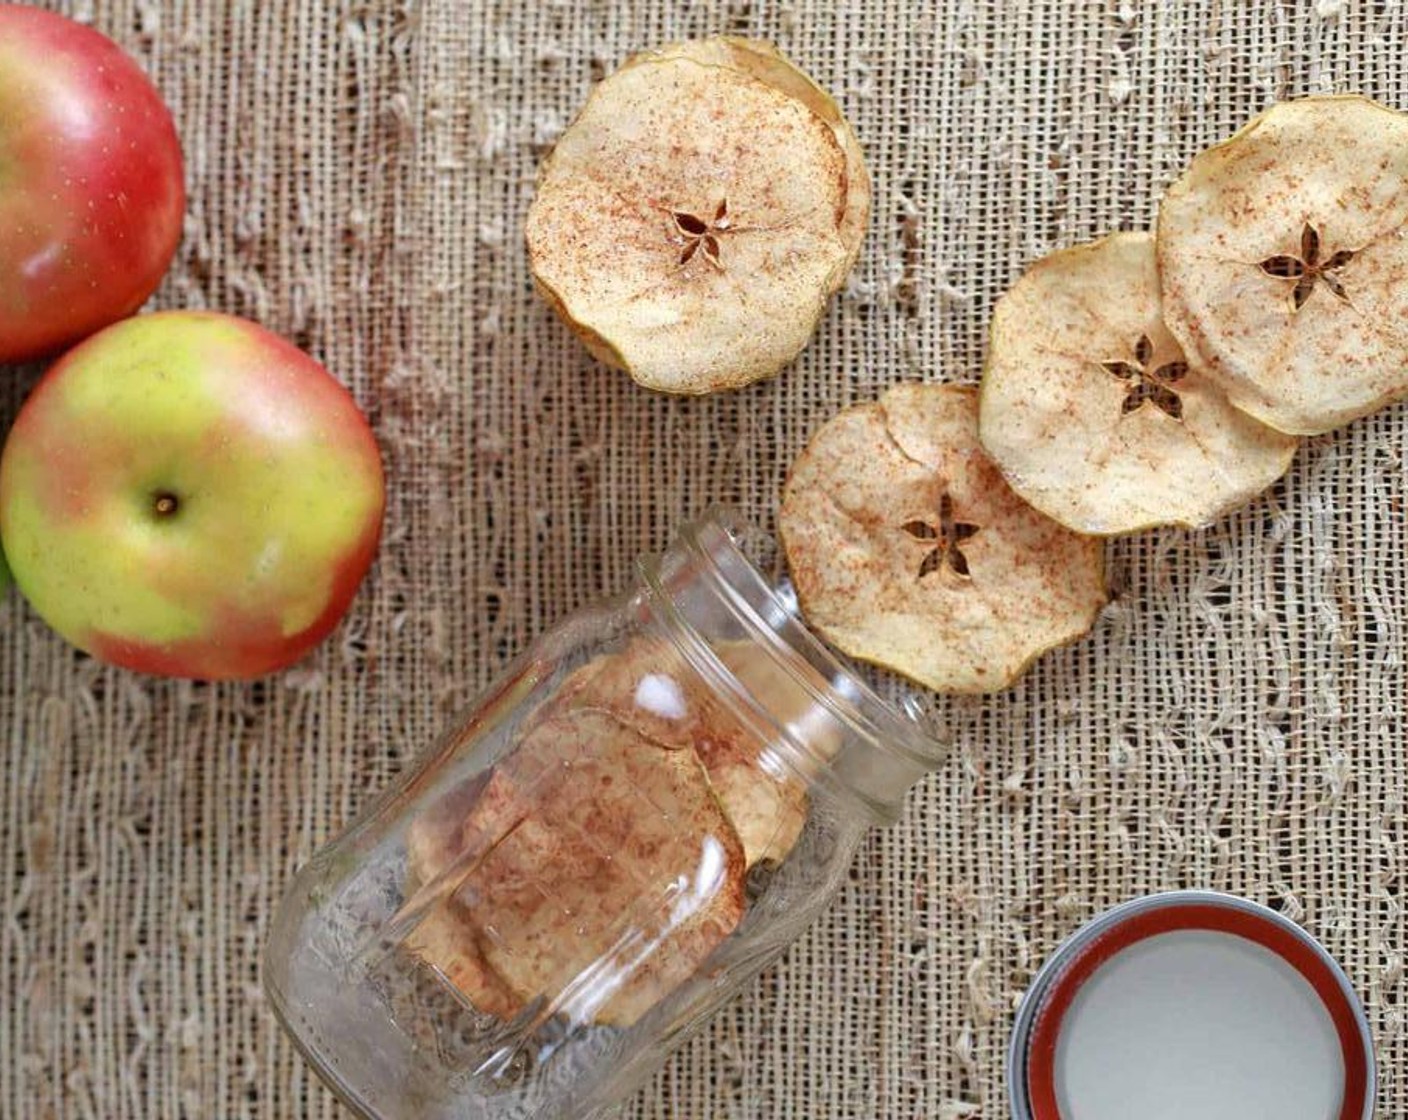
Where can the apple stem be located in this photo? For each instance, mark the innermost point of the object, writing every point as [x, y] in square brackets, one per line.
[165, 504]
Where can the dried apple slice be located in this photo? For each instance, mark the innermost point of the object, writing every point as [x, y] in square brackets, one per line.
[765, 797]
[1093, 413]
[447, 940]
[688, 224]
[649, 686]
[763, 61]
[594, 872]
[1283, 254]
[909, 550]
[456, 828]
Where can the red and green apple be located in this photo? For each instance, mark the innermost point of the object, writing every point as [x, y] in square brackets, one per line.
[91, 184]
[186, 493]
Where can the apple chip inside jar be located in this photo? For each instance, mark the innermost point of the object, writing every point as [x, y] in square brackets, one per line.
[447, 939]
[594, 872]
[650, 686]
[1283, 254]
[909, 550]
[1092, 411]
[689, 224]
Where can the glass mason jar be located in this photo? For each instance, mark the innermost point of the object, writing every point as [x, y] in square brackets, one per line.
[656, 799]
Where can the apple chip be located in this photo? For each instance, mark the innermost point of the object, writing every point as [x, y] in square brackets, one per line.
[765, 797]
[689, 224]
[909, 550]
[457, 825]
[1283, 254]
[763, 61]
[446, 939]
[649, 686]
[1092, 411]
[595, 871]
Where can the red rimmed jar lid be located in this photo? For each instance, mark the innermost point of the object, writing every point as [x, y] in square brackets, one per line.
[1191, 1004]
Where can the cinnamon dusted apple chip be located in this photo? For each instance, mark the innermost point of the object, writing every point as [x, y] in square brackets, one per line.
[649, 686]
[763, 61]
[1283, 254]
[765, 797]
[594, 872]
[1092, 411]
[447, 940]
[442, 845]
[909, 550]
[689, 224]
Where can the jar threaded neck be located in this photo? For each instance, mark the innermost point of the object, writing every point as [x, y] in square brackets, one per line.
[706, 590]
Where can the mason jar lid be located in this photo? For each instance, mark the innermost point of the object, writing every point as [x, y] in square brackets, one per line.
[1191, 1003]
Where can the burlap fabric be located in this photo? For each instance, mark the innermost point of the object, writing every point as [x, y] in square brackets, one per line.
[359, 176]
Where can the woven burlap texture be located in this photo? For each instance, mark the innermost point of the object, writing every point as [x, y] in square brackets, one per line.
[359, 177]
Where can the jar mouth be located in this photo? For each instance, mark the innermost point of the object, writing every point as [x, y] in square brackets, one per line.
[715, 547]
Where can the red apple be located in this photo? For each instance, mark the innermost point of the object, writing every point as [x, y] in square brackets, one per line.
[91, 190]
[188, 494]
